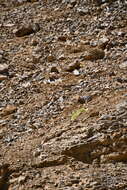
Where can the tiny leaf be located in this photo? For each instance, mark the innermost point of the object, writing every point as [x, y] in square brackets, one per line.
[76, 113]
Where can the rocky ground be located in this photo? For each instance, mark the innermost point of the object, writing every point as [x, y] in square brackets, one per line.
[63, 95]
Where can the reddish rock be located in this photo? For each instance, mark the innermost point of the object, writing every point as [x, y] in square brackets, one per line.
[3, 77]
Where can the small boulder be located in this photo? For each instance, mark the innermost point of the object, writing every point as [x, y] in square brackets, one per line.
[9, 109]
[84, 99]
[94, 54]
[76, 72]
[3, 69]
[71, 67]
[3, 77]
[54, 70]
[27, 30]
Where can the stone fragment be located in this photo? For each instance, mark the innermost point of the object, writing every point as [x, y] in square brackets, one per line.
[71, 67]
[84, 99]
[32, 1]
[53, 76]
[9, 109]
[94, 54]
[74, 48]
[36, 27]
[103, 42]
[3, 69]
[62, 38]
[24, 31]
[123, 65]
[54, 69]
[94, 113]
[27, 30]
[76, 72]
[99, 2]
[61, 57]
[50, 58]
[21, 179]
[37, 50]
[20, 2]
[1, 52]
[122, 106]
[36, 59]
[112, 73]
[71, 2]
[106, 117]
[3, 77]
[34, 42]
[82, 11]
[115, 156]
[121, 80]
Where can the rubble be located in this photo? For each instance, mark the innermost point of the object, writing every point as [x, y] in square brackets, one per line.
[63, 95]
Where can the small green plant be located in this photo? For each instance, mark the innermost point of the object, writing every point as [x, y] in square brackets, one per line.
[76, 113]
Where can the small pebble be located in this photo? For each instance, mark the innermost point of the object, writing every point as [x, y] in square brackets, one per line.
[123, 65]
[76, 72]
[84, 99]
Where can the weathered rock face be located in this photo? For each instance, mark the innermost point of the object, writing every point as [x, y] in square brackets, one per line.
[98, 144]
[63, 95]
[87, 143]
